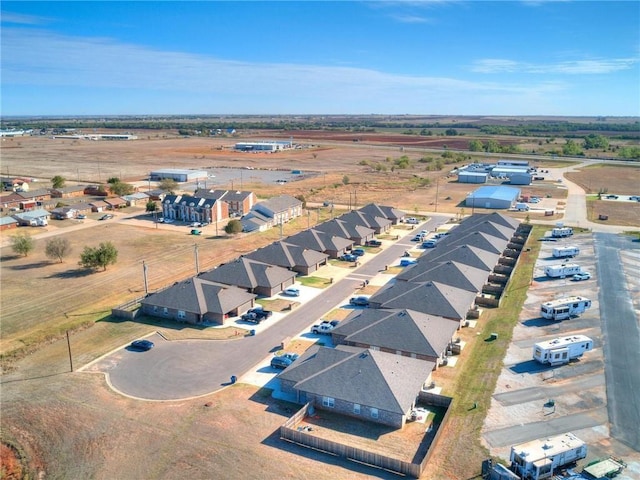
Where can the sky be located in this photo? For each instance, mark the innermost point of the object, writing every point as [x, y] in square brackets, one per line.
[438, 57]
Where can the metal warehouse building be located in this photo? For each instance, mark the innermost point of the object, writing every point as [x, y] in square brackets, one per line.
[472, 177]
[493, 197]
[263, 146]
[178, 174]
[520, 179]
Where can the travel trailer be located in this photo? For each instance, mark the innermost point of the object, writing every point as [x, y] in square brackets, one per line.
[563, 270]
[540, 459]
[561, 232]
[563, 252]
[564, 308]
[562, 350]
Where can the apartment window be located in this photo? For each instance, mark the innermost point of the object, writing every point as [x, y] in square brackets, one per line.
[165, 310]
[356, 408]
[155, 309]
[181, 314]
[328, 402]
[374, 413]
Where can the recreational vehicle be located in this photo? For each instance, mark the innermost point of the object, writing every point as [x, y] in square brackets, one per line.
[561, 232]
[568, 251]
[563, 270]
[564, 308]
[562, 350]
[540, 459]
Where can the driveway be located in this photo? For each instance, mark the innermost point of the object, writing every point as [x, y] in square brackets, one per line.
[182, 369]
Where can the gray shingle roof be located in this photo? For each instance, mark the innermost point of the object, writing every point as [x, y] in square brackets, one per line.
[480, 240]
[247, 273]
[365, 219]
[451, 273]
[383, 211]
[432, 298]
[280, 203]
[287, 255]
[320, 241]
[488, 227]
[405, 330]
[200, 296]
[345, 229]
[465, 254]
[370, 378]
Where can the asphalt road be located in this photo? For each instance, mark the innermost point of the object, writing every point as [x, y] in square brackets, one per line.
[621, 339]
[183, 369]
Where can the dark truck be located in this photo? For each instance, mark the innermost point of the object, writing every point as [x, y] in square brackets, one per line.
[256, 315]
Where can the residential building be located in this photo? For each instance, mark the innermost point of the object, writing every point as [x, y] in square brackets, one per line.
[194, 209]
[288, 255]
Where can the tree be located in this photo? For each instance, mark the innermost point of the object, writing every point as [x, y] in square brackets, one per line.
[596, 141]
[476, 146]
[571, 148]
[345, 180]
[58, 181]
[113, 180]
[233, 227]
[57, 247]
[169, 185]
[101, 256]
[151, 206]
[22, 243]
[121, 188]
[451, 132]
[303, 200]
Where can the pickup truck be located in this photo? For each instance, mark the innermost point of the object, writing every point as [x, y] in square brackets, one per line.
[256, 315]
[323, 328]
[373, 243]
[260, 312]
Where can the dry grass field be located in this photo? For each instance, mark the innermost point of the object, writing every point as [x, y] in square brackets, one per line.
[71, 425]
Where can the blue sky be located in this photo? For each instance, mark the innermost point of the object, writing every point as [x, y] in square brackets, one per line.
[351, 57]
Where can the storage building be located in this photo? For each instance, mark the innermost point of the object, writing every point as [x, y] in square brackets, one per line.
[496, 197]
[520, 179]
[472, 177]
[178, 174]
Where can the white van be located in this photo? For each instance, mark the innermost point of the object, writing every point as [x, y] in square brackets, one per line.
[522, 207]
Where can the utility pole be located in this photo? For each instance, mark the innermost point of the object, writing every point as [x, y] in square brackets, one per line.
[69, 348]
[195, 247]
[437, 185]
[144, 275]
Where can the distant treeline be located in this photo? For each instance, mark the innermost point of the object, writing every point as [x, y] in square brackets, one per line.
[629, 130]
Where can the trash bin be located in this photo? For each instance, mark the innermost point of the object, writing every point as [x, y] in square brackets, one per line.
[234, 379]
[252, 333]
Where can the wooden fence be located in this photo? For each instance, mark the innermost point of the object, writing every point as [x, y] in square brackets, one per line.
[290, 433]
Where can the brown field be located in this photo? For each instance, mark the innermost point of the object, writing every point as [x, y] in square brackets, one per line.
[71, 425]
[618, 180]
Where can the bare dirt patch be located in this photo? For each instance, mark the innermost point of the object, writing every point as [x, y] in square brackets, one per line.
[619, 180]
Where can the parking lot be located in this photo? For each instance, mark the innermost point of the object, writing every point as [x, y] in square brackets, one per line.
[532, 400]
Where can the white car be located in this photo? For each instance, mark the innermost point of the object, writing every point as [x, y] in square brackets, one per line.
[291, 292]
[411, 221]
[581, 276]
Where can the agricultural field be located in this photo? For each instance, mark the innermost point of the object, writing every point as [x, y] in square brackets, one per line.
[235, 428]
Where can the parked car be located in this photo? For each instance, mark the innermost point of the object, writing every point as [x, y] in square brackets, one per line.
[106, 216]
[635, 198]
[405, 262]
[581, 276]
[81, 217]
[196, 225]
[429, 244]
[333, 323]
[195, 231]
[418, 238]
[348, 257]
[251, 317]
[281, 362]
[534, 200]
[612, 197]
[291, 292]
[360, 301]
[160, 220]
[373, 243]
[411, 220]
[358, 252]
[142, 345]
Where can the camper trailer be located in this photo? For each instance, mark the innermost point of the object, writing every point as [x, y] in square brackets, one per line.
[564, 252]
[540, 459]
[561, 232]
[562, 350]
[564, 308]
[562, 270]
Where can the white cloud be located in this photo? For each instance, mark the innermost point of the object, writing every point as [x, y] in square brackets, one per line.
[410, 19]
[18, 18]
[574, 67]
